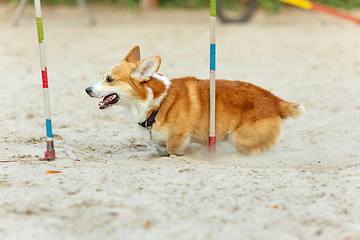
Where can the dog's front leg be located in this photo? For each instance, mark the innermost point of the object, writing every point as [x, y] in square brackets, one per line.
[162, 151]
[176, 144]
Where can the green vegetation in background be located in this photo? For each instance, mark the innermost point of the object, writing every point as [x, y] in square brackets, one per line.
[344, 4]
[269, 5]
[128, 4]
[184, 3]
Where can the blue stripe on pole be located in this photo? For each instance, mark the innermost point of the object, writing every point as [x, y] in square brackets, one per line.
[49, 129]
[212, 56]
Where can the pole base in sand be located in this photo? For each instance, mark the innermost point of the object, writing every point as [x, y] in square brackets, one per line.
[212, 145]
[50, 151]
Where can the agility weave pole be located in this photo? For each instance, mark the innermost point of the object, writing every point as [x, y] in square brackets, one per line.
[212, 136]
[320, 8]
[50, 152]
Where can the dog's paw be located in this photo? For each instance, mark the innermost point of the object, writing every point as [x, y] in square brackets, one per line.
[162, 151]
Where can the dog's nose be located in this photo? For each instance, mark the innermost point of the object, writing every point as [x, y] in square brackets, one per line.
[88, 90]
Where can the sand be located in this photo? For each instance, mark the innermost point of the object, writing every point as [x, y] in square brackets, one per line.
[114, 185]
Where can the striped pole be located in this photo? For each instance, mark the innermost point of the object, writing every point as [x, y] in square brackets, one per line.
[321, 8]
[50, 152]
[212, 136]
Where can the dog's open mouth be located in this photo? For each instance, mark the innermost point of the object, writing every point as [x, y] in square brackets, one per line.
[108, 100]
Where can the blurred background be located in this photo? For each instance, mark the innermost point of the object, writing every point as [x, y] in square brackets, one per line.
[269, 5]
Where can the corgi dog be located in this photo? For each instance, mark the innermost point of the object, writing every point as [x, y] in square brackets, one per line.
[176, 112]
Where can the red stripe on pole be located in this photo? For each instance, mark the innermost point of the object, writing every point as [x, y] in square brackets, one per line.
[321, 8]
[44, 78]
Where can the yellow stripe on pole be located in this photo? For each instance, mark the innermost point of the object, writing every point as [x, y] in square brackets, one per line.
[299, 3]
[213, 8]
[40, 29]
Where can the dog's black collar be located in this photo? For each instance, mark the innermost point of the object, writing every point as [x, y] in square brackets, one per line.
[150, 121]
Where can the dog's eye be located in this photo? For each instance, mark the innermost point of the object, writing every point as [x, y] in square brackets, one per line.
[109, 79]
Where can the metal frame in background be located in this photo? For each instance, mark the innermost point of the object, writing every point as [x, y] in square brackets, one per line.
[89, 18]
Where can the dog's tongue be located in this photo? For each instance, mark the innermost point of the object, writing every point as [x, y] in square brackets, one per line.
[107, 101]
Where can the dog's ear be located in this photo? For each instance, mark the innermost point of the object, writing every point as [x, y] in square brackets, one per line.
[133, 56]
[146, 68]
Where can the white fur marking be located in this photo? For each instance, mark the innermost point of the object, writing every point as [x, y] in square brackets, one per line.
[97, 90]
[156, 102]
[163, 78]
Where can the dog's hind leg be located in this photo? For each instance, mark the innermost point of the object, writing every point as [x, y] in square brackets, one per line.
[177, 143]
[258, 136]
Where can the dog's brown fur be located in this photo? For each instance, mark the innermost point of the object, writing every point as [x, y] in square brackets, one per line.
[248, 116]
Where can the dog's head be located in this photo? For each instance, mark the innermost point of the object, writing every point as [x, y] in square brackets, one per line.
[125, 83]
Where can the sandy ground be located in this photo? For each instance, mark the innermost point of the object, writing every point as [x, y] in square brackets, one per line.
[307, 187]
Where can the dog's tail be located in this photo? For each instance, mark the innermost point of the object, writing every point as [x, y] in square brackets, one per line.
[291, 110]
